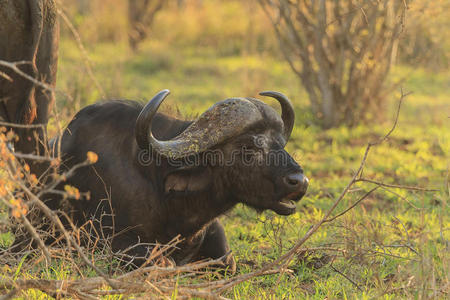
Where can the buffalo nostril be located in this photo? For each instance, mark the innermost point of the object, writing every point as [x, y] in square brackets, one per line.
[295, 180]
[292, 181]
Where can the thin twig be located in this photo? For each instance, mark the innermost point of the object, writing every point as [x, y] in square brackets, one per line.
[285, 258]
[45, 86]
[346, 277]
[2, 123]
[13, 67]
[83, 51]
[33, 157]
[55, 220]
[353, 205]
[396, 186]
[409, 245]
[4, 75]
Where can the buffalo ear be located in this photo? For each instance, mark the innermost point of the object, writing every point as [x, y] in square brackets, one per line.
[187, 181]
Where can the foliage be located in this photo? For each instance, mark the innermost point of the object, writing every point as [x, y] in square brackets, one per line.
[394, 244]
[425, 43]
[340, 50]
[226, 24]
[372, 243]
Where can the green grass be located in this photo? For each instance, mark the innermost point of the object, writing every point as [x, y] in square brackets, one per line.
[395, 245]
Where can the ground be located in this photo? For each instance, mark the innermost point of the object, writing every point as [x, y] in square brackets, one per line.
[394, 244]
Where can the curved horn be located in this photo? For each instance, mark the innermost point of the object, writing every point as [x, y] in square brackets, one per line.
[225, 119]
[287, 111]
[143, 129]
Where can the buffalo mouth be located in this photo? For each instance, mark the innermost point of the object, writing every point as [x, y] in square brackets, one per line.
[287, 205]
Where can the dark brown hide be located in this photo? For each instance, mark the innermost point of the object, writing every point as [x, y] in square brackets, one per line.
[28, 32]
[157, 199]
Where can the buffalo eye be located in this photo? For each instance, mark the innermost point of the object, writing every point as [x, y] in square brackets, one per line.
[260, 141]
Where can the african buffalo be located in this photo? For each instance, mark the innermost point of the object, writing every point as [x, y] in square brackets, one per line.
[167, 177]
[29, 34]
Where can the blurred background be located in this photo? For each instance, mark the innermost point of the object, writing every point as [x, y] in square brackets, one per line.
[343, 64]
[205, 51]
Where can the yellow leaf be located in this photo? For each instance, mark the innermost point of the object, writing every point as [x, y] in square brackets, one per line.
[92, 157]
[33, 179]
[16, 213]
[72, 191]
[10, 135]
[55, 162]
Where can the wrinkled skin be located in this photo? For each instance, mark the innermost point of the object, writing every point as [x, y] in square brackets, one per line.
[155, 203]
[261, 186]
[151, 203]
[29, 32]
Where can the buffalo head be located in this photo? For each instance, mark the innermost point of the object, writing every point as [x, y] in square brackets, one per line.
[234, 149]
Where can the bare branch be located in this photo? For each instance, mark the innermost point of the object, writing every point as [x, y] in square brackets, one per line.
[396, 186]
[353, 205]
[286, 258]
[346, 277]
[86, 61]
[13, 67]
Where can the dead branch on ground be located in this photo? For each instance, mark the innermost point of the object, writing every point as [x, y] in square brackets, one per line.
[161, 278]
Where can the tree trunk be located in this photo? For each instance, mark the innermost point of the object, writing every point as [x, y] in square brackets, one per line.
[141, 14]
[29, 32]
[341, 50]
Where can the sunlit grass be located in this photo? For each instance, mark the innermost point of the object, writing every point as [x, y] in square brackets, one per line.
[372, 236]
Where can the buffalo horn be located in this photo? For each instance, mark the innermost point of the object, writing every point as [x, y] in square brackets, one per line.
[287, 111]
[222, 121]
[143, 128]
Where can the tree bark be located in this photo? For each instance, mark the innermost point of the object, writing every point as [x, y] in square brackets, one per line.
[29, 32]
[341, 50]
[141, 14]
